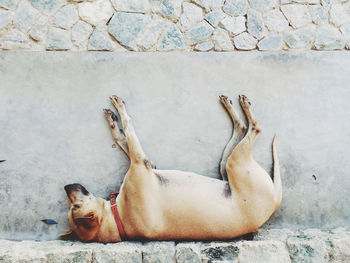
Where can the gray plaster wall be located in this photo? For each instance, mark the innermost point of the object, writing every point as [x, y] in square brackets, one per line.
[53, 130]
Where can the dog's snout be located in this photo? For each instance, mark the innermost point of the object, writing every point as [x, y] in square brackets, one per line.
[69, 188]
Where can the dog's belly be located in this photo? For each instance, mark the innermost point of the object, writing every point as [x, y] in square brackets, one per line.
[192, 206]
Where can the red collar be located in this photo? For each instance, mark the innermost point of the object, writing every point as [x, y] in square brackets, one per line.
[113, 196]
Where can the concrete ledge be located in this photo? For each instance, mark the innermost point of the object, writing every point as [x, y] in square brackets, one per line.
[275, 245]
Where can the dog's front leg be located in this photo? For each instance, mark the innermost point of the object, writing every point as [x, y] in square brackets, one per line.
[117, 134]
[136, 153]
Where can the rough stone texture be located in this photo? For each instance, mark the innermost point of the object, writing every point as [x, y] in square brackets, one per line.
[199, 33]
[338, 15]
[25, 15]
[58, 39]
[36, 18]
[188, 253]
[222, 40]
[255, 23]
[15, 39]
[48, 7]
[300, 38]
[311, 245]
[235, 7]
[168, 8]
[329, 38]
[319, 14]
[126, 27]
[5, 18]
[234, 25]
[271, 42]
[100, 41]
[205, 46]
[137, 6]
[9, 4]
[192, 15]
[346, 33]
[66, 17]
[158, 252]
[80, 33]
[172, 39]
[215, 17]
[263, 5]
[297, 15]
[245, 41]
[275, 21]
[97, 12]
[150, 36]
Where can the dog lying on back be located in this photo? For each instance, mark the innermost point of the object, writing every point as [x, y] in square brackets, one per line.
[176, 205]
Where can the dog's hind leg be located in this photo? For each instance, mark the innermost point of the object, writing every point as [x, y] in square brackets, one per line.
[117, 134]
[239, 129]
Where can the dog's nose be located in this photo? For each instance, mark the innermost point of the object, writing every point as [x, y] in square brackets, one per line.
[69, 188]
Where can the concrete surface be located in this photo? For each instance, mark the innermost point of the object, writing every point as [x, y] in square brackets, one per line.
[53, 130]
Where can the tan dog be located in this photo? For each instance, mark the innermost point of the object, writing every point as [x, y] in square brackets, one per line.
[168, 205]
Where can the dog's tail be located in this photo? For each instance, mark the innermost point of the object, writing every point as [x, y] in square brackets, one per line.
[277, 183]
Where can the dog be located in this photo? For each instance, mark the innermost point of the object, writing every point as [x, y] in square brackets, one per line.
[176, 205]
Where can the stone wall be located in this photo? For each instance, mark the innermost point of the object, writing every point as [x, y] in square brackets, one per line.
[274, 246]
[166, 25]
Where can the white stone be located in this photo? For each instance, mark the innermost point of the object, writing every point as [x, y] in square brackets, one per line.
[310, 2]
[188, 252]
[15, 39]
[345, 29]
[126, 27]
[319, 14]
[191, 15]
[270, 251]
[100, 41]
[270, 42]
[297, 15]
[209, 4]
[273, 234]
[171, 9]
[97, 12]
[172, 39]
[235, 7]
[275, 21]
[255, 23]
[9, 4]
[48, 7]
[215, 17]
[199, 33]
[137, 6]
[222, 40]
[66, 17]
[338, 15]
[153, 252]
[81, 32]
[329, 38]
[235, 25]
[5, 18]
[39, 29]
[58, 39]
[25, 15]
[245, 41]
[203, 47]
[263, 5]
[125, 252]
[300, 38]
[150, 35]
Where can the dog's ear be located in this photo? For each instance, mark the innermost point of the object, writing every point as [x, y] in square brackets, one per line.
[68, 235]
[76, 192]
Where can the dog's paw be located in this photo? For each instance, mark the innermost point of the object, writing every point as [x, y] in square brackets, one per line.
[243, 100]
[111, 117]
[117, 101]
[225, 100]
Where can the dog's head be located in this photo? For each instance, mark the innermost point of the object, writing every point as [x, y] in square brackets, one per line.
[84, 215]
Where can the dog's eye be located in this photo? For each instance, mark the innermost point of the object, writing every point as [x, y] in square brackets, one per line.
[76, 206]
